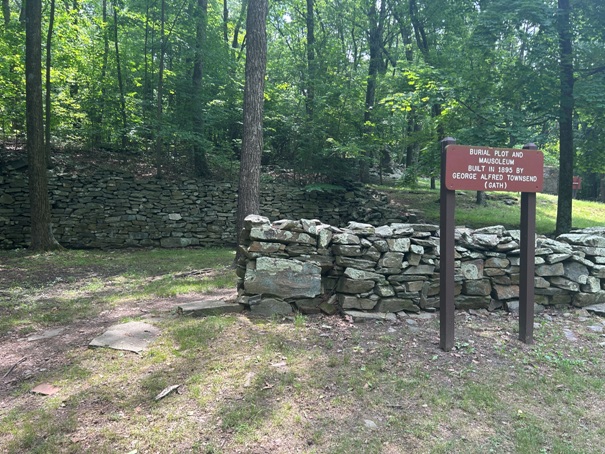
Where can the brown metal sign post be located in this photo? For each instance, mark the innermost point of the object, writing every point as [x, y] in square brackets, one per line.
[493, 169]
[447, 205]
[527, 261]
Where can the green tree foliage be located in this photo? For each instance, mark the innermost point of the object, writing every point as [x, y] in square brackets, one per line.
[350, 83]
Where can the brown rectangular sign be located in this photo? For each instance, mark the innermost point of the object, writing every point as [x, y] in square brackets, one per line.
[493, 169]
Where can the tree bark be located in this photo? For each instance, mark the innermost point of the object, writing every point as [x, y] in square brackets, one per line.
[41, 233]
[310, 98]
[49, 36]
[566, 151]
[252, 141]
[119, 73]
[6, 12]
[238, 25]
[376, 20]
[225, 21]
[159, 145]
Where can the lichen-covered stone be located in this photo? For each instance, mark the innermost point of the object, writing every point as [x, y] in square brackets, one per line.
[505, 292]
[555, 269]
[472, 269]
[284, 278]
[271, 306]
[391, 260]
[354, 273]
[399, 244]
[478, 287]
[354, 286]
[397, 305]
[353, 302]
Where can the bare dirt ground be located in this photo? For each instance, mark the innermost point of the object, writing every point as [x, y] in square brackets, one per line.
[21, 360]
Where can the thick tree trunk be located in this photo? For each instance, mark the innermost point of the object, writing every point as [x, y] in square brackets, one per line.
[566, 151]
[41, 233]
[49, 36]
[252, 141]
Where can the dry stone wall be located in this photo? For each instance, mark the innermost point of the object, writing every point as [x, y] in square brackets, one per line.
[376, 272]
[109, 210]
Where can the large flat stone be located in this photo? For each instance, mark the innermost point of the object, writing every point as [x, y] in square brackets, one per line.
[271, 306]
[206, 308]
[359, 316]
[352, 302]
[283, 278]
[598, 309]
[48, 334]
[472, 302]
[589, 299]
[354, 286]
[131, 336]
[396, 305]
[270, 234]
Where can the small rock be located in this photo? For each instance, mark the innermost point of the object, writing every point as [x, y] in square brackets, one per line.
[370, 424]
[569, 335]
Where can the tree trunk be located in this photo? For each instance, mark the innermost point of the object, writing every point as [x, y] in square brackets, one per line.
[6, 12]
[566, 151]
[200, 164]
[119, 73]
[147, 89]
[41, 233]
[47, 129]
[310, 98]
[248, 201]
[480, 198]
[376, 21]
[238, 25]
[225, 21]
[159, 146]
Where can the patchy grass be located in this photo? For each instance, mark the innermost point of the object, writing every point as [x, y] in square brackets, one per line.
[61, 287]
[498, 210]
[308, 384]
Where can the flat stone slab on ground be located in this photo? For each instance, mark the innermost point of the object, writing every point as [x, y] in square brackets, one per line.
[49, 333]
[206, 308]
[359, 316]
[131, 336]
[598, 309]
[45, 389]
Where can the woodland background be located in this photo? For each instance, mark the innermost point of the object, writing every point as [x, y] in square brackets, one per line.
[349, 85]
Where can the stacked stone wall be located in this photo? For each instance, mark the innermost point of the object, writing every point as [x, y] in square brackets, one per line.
[310, 266]
[109, 210]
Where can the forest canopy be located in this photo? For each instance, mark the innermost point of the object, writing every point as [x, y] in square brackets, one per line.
[350, 84]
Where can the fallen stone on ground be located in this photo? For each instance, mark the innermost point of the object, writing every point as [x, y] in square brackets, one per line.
[131, 336]
[359, 316]
[598, 309]
[206, 308]
[48, 334]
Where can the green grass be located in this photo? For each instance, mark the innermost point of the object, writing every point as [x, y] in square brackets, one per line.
[277, 385]
[62, 287]
[495, 211]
